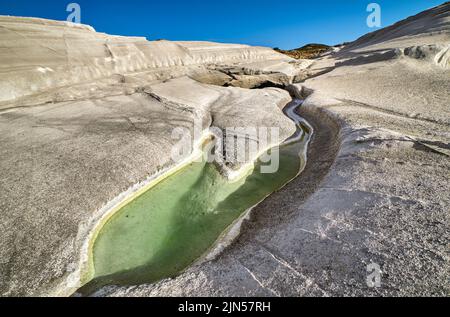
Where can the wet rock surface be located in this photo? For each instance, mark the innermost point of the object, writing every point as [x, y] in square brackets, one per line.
[375, 189]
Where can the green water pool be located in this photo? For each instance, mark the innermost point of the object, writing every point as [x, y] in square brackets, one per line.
[163, 231]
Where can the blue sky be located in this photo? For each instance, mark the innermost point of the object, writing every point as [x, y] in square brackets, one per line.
[285, 24]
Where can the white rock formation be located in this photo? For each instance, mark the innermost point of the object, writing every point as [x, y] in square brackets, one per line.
[86, 116]
[41, 55]
[375, 191]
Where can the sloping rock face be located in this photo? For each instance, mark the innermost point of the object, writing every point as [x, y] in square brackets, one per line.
[375, 190]
[416, 29]
[81, 131]
[41, 55]
[425, 36]
[85, 117]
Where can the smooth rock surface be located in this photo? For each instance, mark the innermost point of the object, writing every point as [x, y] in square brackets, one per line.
[87, 116]
[375, 189]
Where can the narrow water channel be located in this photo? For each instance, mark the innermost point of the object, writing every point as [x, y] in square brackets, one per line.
[170, 226]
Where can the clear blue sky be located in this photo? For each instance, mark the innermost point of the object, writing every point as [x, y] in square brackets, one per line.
[285, 24]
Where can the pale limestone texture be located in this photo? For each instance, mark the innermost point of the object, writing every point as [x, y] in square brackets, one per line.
[84, 116]
[375, 190]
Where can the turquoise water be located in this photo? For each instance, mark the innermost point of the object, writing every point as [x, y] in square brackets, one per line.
[174, 223]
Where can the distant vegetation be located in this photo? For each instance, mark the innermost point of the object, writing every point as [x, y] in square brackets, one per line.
[309, 51]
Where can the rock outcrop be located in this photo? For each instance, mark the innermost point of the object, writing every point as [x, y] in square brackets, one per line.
[86, 116]
[51, 57]
[375, 190]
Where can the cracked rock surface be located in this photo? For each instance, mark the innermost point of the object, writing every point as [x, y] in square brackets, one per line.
[89, 115]
[375, 189]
